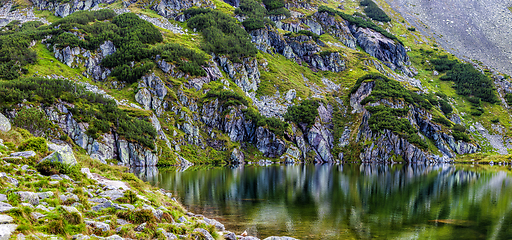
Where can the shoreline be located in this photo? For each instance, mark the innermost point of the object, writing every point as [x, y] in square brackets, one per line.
[56, 192]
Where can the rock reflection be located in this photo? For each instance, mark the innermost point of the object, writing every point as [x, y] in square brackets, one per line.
[340, 201]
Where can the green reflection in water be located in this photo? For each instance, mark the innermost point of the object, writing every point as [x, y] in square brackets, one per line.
[348, 201]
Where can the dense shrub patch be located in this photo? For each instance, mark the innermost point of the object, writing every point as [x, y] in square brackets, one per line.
[306, 113]
[384, 117]
[48, 168]
[358, 21]
[223, 36]
[390, 89]
[468, 81]
[276, 7]
[443, 64]
[15, 53]
[374, 12]
[274, 124]
[459, 133]
[227, 98]
[187, 60]
[508, 98]
[102, 114]
[36, 144]
[33, 120]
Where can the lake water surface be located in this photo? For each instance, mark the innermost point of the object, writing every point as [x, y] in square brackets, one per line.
[350, 201]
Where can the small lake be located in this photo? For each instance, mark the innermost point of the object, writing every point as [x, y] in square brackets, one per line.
[350, 201]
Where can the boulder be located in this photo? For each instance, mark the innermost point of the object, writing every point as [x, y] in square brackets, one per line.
[44, 195]
[62, 154]
[69, 196]
[237, 156]
[5, 219]
[279, 238]
[290, 95]
[107, 48]
[25, 154]
[5, 125]
[230, 236]
[141, 227]
[6, 230]
[4, 207]
[35, 215]
[108, 204]
[203, 233]
[99, 225]
[30, 197]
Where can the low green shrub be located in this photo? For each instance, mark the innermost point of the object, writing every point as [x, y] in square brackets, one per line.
[187, 60]
[137, 216]
[442, 120]
[48, 168]
[306, 113]
[359, 22]
[273, 4]
[253, 24]
[459, 133]
[33, 120]
[445, 107]
[508, 98]
[374, 12]
[37, 144]
[393, 119]
[275, 125]
[222, 34]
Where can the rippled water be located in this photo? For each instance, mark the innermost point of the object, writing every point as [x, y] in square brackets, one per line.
[349, 201]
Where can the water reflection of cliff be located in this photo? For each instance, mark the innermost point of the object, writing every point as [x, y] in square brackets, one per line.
[338, 201]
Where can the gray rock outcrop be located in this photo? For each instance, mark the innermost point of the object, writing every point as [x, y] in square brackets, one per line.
[246, 75]
[387, 146]
[5, 125]
[62, 154]
[172, 8]
[64, 9]
[152, 93]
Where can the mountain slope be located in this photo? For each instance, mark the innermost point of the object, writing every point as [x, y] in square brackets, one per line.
[286, 81]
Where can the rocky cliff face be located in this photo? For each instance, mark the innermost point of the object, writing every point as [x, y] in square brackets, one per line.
[108, 146]
[172, 8]
[393, 54]
[76, 57]
[64, 9]
[301, 48]
[183, 117]
[387, 146]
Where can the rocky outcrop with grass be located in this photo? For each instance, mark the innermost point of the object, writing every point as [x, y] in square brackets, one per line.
[59, 193]
[64, 8]
[405, 142]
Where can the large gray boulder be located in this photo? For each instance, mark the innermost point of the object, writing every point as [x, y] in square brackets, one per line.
[237, 156]
[30, 197]
[25, 154]
[205, 234]
[5, 125]
[6, 230]
[62, 154]
[4, 207]
[5, 219]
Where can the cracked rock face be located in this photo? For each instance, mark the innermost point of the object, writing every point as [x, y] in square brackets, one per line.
[386, 146]
[172, 8]
[392, 54]
[152, 93]
[64, 9]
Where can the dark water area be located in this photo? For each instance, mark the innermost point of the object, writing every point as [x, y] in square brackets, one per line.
[350, 201]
